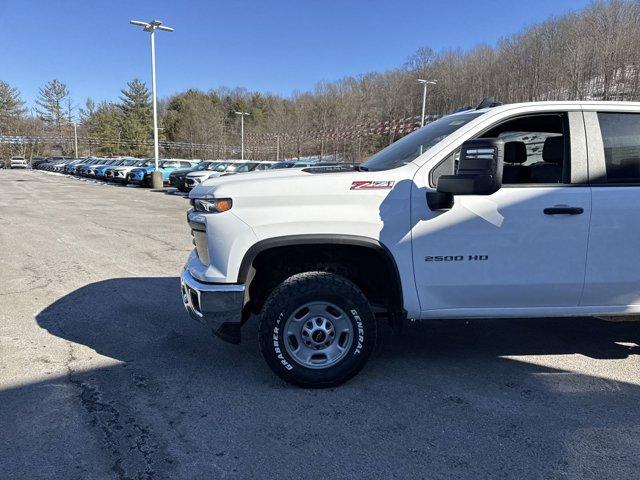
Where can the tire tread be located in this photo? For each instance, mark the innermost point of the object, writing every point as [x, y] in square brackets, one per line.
[308, 282]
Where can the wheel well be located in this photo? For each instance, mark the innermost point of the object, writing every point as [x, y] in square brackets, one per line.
[371, 268]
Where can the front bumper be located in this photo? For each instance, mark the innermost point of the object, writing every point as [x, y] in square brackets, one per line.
[120, 176]
[139, 180]
[192, 182]
[217, 305]
[176, 181]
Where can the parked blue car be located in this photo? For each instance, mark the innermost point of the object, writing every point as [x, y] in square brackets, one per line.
[82, 168]
[120, 174]
[142, 175]
[71, 168]
[98, 171]
[90, 170]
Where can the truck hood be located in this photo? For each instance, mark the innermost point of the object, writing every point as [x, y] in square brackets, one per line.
[290, 182]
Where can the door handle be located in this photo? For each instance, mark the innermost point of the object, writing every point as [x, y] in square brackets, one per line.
[563, 211]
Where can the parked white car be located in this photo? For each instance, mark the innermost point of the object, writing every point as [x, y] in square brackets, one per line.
[18, 162]
[119, 173]
[522, 210]
[246, 167]
[213, 170]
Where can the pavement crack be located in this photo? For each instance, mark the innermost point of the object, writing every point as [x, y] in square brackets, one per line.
[129, 442]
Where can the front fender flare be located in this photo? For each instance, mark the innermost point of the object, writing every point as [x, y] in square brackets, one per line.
[324, 239]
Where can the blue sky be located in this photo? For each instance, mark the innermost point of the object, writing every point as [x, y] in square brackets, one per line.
[270, 46]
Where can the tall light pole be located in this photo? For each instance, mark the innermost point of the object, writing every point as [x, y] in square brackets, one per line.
[151, 27]
[424, 96]
[75, 136]
[278, 148]
[242, 115]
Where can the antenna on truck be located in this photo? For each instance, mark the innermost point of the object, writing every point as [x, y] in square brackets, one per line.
[488, 102]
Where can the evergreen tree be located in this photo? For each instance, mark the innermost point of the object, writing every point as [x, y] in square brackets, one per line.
[136, 114]
[104, 125]
[52, 102]
[11, 105]
[194, 117]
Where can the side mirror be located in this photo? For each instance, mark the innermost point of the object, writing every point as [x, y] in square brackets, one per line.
[479, 169]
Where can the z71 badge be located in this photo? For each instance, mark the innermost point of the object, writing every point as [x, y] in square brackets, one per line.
[371, 185]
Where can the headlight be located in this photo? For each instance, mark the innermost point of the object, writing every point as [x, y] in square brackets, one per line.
[212, 205]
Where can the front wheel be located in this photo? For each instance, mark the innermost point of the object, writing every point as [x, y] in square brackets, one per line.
[317, 330]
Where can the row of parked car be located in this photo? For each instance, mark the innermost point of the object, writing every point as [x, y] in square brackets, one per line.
[179, 173]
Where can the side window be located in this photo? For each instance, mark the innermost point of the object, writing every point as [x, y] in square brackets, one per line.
[621, 138]
[185, 165]
[536, 149]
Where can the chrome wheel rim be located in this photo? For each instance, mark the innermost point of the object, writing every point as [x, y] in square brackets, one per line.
[318, 334]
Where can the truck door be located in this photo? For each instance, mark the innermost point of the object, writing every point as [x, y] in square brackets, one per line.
[613, 260]
[523, 246]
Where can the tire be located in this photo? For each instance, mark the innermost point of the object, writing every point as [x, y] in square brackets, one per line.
[331, 315]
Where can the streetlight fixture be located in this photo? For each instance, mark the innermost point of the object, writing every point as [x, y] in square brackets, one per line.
[151, 27]
[242, 115]
[424, 96]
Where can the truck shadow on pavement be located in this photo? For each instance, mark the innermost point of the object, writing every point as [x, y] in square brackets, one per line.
[447, 399]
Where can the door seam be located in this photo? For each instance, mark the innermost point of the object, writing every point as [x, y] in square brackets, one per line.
[586, 254]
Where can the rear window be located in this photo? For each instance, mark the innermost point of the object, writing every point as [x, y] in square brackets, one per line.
[621, 139]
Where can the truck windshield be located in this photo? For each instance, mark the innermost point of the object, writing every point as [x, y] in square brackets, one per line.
[415, 144]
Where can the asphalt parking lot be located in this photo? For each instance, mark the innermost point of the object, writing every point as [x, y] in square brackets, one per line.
[104, 376]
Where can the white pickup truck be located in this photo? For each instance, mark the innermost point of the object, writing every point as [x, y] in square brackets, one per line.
[521, 210]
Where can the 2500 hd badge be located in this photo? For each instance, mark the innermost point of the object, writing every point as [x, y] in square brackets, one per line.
[456, 258]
